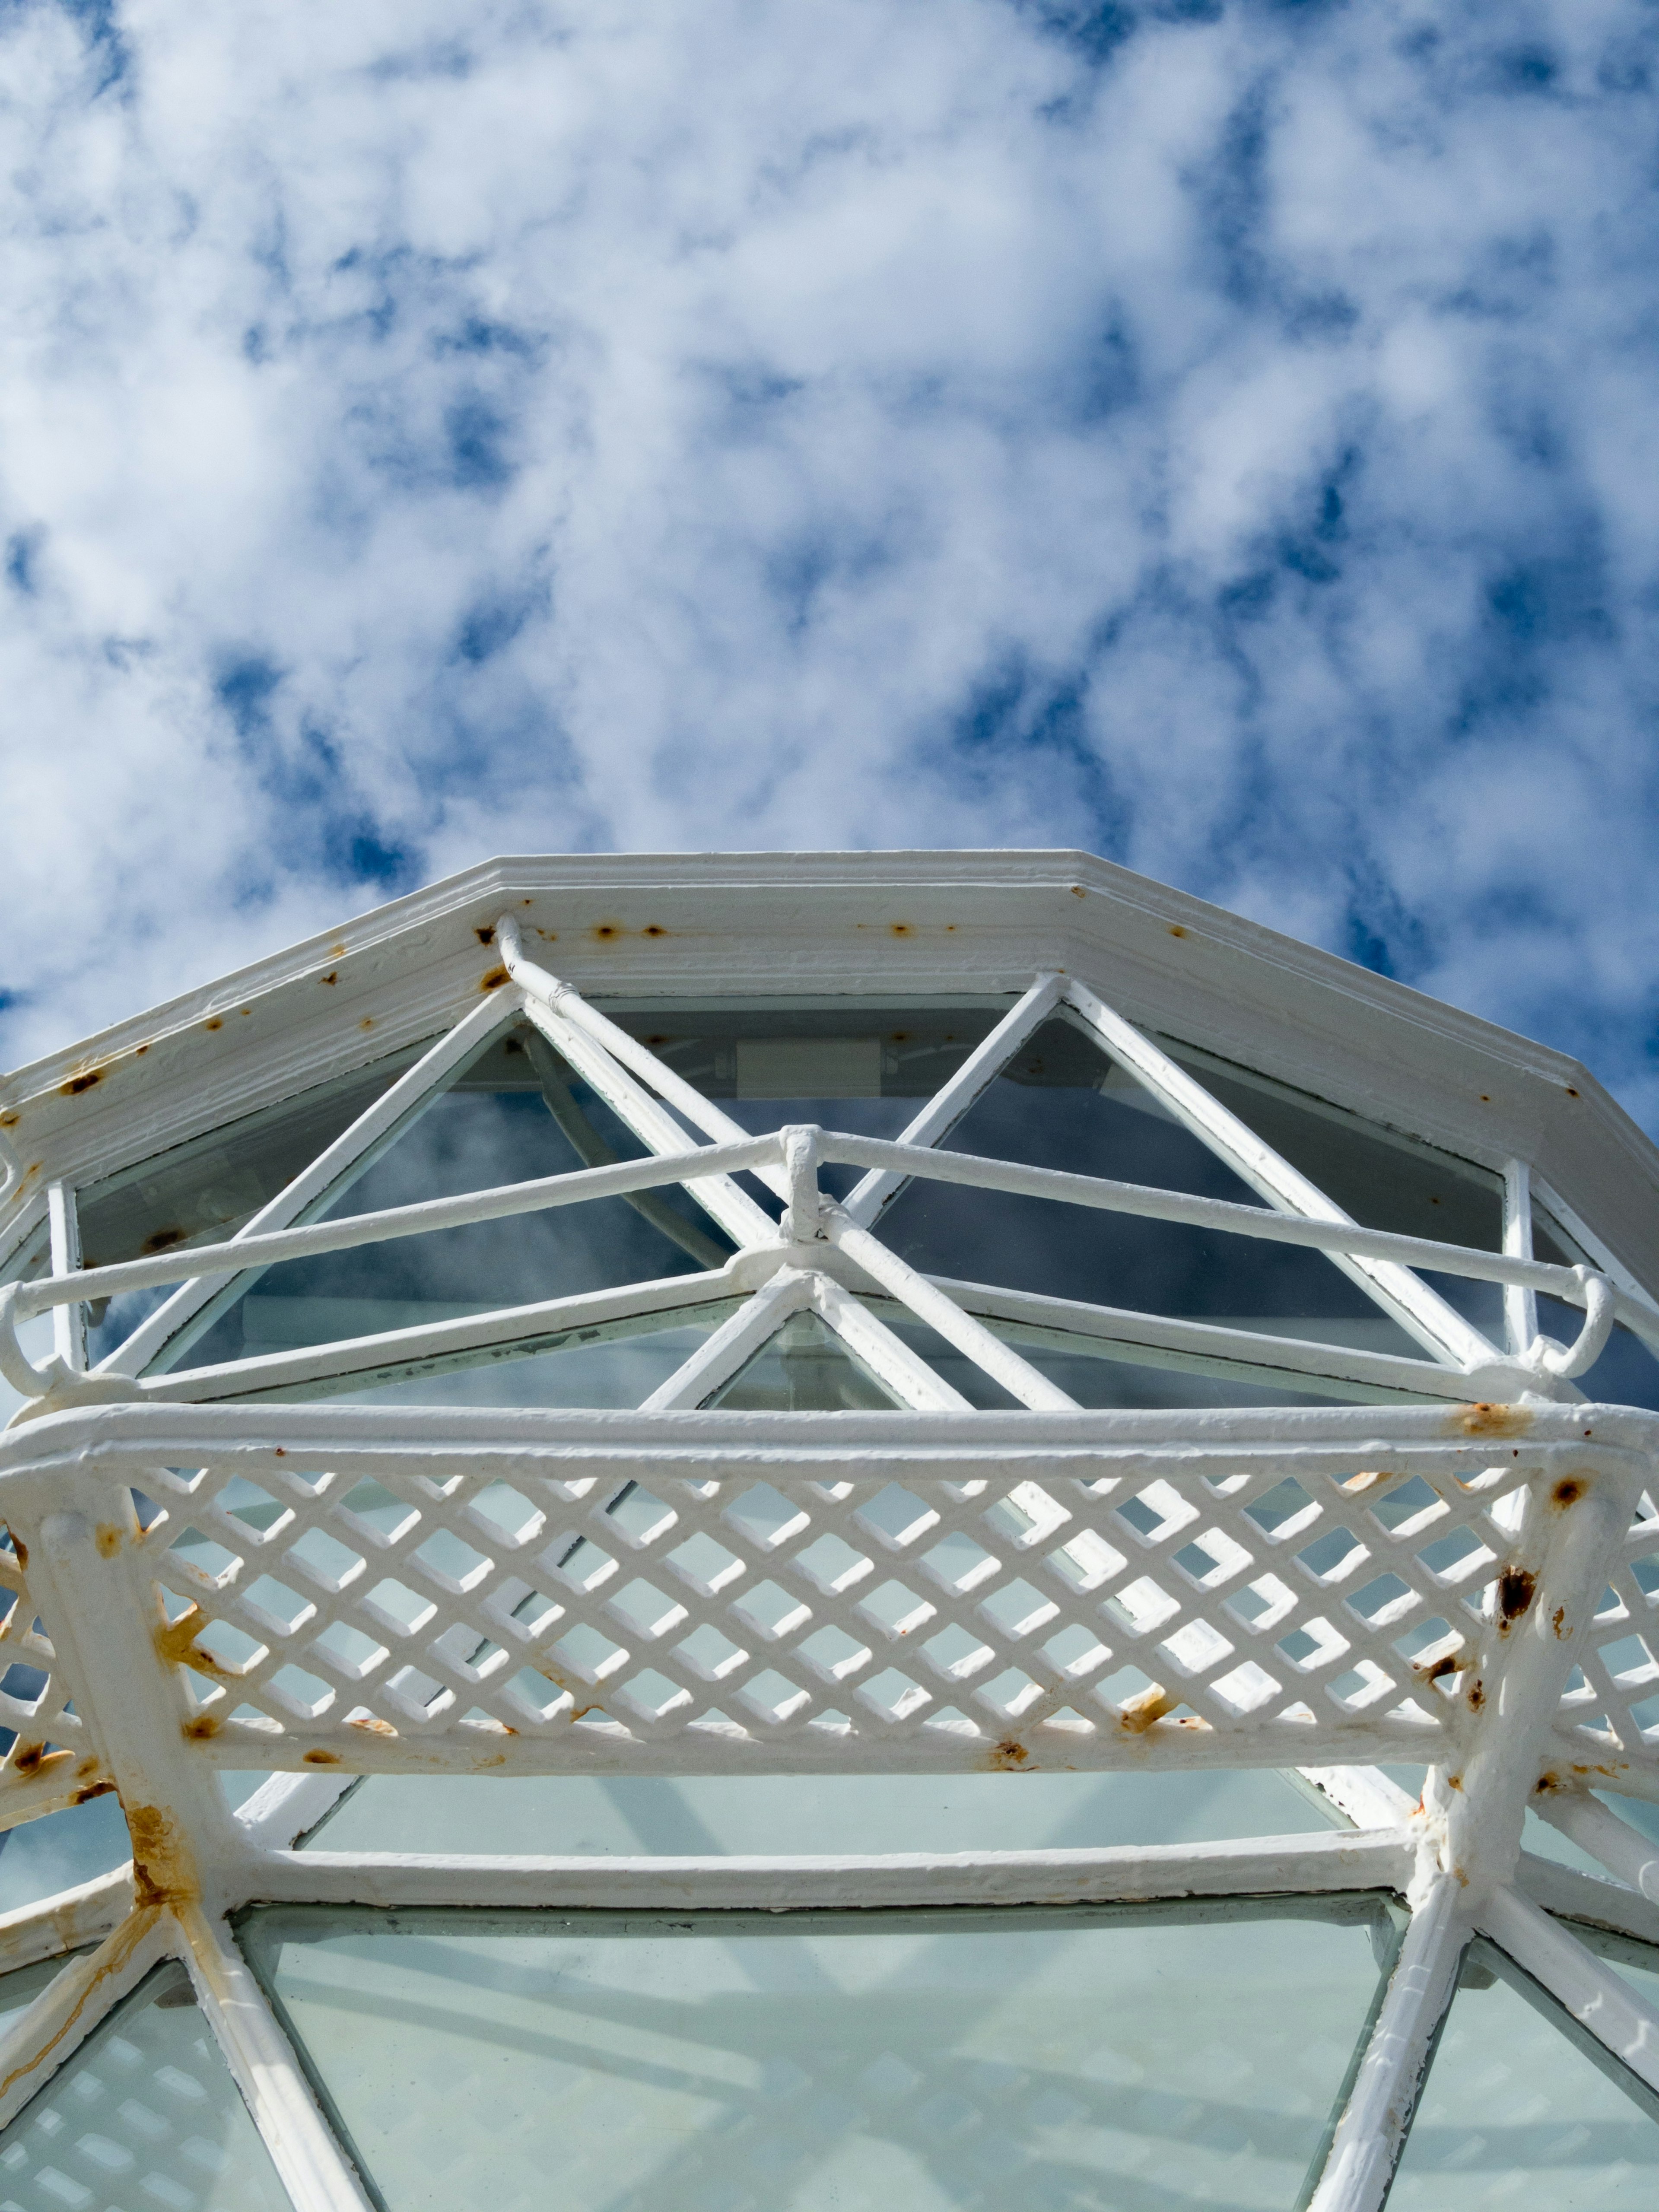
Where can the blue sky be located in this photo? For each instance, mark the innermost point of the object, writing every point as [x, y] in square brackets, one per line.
[1219, 433]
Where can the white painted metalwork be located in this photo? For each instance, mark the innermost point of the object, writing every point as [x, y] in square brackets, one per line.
[1460, 1573]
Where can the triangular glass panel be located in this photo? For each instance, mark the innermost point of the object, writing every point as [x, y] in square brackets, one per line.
[1028, 2059]
[515, 1111]
[621, 1365]
[1521, 2106]
[201, 1191]
[865, 1066]
[1384, 1177]
[804, 1368]
[145, 2113]
[1098, 1373]
[1063, 1102]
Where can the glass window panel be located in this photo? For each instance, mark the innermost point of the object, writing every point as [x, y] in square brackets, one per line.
[1384, 1177]
[1517, 2111]
[144, 2114]
[198, 1192]
[863, 1065]
[517, 1111]
[58, 1850]
[1032, 2059]
[1098, 1373]
[1063, 1103]
[804, 1368]
[715, 1816]
[620, 1365]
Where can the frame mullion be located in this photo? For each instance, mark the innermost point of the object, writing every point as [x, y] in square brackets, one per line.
[1421, 1311]
[878, 1189]
[197, 1303]
[742, 1220]
[69, 1323]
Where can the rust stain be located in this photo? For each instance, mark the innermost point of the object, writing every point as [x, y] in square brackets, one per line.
[486, 934]
[1448, 1664]
[1571, 1093]
[321, 1758]
[1548, 1782]
[332, 976]
[110, 1959]
[137, 1048]
[8, 1120]
[176, 1641]
[1477, 1694]
[1558, 1619]
[1176, 929]
[372, 1722]
[366, 1022]
[1485, 1420]
[1138, 1713]
[216, 1024]
[93, 1790]
[203, 1726]
[1365, 1480]
[77, 1084]
[900, 929]
[21, 1550]
[1516, 1587]
[1454, 1781]
[606, 930]
[280, 1452]
[108, 1540]
[1567, 1492]
[494, 980]
[1006, 1757]
[654, 929]
[27, 1758]
[163, 1872]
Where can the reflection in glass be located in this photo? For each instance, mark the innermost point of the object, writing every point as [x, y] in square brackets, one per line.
[60, 1851]
[852, 1064]
[804, 1368]
[1029, 2058]
[145, 2114]
[1096, 1372]
[516, 1112]
[1380, 1176]
[1519, 2108]
[201, 1191]
[618, 1365]
[714, 1815]
[1063, 1103]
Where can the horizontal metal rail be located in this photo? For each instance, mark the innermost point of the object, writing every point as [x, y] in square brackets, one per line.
[1578, 1286]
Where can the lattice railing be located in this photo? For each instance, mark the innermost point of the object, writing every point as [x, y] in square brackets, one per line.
[48, 1760]
[894, 1619]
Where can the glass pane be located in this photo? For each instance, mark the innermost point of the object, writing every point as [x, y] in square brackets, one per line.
[60, 1851]
[804, 1368]
[145, 2114]
[517, 1111]
[862, 1065]
[198, 1192]
[782, 1815]
[618, 1366]
[1516, 2111]
[1100, 1374]
[1063, 1103]
[1029, 2059]
[1383, 1178]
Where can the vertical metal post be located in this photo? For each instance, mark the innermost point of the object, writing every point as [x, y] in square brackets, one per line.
[69, 1323]
[1520, 1304]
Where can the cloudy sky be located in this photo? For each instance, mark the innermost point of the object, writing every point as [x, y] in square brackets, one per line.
[1219, 433]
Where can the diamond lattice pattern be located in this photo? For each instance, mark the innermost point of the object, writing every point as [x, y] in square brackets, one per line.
[662, 1621]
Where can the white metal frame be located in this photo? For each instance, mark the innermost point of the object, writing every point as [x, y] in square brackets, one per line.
[1513, 1708]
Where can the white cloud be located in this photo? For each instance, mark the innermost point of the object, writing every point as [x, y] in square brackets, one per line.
[1221, 436]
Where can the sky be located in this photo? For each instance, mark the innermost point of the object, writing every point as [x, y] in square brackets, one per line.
[1220, 434]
